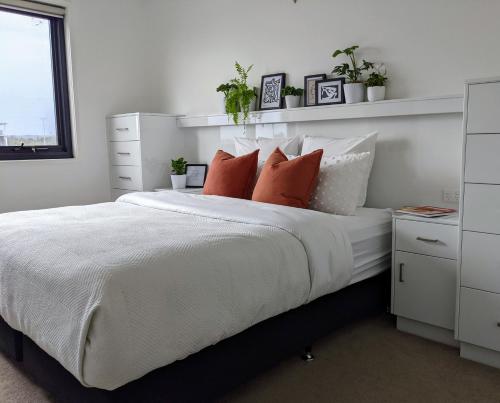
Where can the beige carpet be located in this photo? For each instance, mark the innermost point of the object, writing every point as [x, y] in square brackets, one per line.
[367, 362]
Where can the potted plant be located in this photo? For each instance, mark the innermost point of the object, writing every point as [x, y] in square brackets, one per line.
[178, 175]
[292, 96]
[354, 90]
[225, 89]
[241, 97]
[375, 84]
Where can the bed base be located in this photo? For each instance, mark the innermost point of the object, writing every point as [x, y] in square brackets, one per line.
[214, 371]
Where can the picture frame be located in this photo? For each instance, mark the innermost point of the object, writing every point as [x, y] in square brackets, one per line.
[270, 91]
[330, 91]
[196, 175]
[310, 88]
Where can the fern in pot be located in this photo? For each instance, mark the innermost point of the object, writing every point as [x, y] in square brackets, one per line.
[178, 176]
[292, 96]
[241, 98]
[375, 84]
[354, 90]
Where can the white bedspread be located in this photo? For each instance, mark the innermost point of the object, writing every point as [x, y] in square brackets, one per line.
[115, 290]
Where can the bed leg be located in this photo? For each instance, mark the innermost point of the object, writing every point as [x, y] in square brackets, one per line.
[18, 346]
[308, 356]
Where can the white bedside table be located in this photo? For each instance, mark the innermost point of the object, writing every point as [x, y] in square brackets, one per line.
[186, 190]
[424, 276]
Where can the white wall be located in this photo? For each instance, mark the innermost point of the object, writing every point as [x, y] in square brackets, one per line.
[429, 47]
[112, 73]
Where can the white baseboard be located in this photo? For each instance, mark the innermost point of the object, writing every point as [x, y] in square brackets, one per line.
[430, 332]
[480, 354]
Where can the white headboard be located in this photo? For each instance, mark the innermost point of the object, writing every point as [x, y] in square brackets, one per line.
[417, 157]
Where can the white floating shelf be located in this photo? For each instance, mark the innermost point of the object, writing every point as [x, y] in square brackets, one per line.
[393, 107]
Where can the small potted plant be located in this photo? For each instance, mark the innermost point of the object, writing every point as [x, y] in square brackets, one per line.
[292, 96]
[241, 98]
[178, 173]
[354, 90]
[224, 89]
[375, 84]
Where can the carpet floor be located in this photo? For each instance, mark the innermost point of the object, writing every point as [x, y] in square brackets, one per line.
[369, 361]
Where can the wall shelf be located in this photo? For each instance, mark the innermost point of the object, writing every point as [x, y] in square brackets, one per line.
[393, 107]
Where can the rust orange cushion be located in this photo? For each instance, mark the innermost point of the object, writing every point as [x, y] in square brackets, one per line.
[231, 176]
[289, 183]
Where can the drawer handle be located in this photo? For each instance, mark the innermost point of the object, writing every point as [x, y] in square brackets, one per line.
[123, 153]
[125, 178]
[498, 324]
[401, 267]
[122, 129]
[419, 238]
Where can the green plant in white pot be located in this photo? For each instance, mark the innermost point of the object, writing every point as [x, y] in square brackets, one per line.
[178, 176]
[375, 84]
[224, 89]
[354, 90]
[241, 98]
[292, 96]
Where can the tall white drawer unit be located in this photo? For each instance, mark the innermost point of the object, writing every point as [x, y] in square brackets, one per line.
[478, 308]
[141, 146]
[424, 276]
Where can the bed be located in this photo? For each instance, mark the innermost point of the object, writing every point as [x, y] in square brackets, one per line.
[115, 293]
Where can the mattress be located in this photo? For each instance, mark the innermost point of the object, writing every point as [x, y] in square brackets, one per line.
[370, 233]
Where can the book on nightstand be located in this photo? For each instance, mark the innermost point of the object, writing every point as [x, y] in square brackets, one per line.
[427, 211]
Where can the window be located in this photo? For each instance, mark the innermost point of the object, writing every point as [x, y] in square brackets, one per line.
[35, 120]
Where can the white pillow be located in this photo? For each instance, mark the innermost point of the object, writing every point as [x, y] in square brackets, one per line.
[339, 182]
[266, 146]
[334, 146]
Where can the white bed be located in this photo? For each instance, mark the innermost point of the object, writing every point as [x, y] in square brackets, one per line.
[115, 290]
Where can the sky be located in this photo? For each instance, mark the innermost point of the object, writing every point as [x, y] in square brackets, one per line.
[26, 89]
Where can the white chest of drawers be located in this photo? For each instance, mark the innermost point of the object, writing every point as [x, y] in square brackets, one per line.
[424, 276]
[478, 308]
[141, 146]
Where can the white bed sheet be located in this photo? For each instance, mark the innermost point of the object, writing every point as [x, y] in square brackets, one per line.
[370, 233]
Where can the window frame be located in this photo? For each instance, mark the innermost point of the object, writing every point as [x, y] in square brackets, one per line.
[62, 106]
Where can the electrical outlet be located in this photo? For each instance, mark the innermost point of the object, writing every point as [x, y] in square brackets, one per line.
[451, 195]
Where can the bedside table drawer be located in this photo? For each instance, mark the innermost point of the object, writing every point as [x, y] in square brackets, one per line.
[427, 238]
[481, 261]
[425, 289]
[480, 318]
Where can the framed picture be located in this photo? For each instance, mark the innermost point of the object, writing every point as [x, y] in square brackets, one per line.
[310, 88]
[270, 91]
[330, 92]
[196, 175]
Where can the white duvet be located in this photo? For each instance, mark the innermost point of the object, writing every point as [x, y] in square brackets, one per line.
[115, 290]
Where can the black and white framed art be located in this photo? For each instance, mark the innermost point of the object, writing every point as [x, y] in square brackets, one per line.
[270, 91]
[330, 91]
[196, 174]
[310, 88]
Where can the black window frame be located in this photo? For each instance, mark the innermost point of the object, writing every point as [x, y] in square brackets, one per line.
[64, 149]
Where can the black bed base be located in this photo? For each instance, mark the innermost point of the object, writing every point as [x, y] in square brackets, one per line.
[214, 371]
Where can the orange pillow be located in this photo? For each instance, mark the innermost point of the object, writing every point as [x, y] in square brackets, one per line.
[232, 176]
[289, 183]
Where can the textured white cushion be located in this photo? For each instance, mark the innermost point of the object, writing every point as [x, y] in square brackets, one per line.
[335, 146]
[266, 146]
[339, 182]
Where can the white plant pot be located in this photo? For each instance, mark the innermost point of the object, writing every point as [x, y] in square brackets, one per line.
[354, 93]
[376, 93]
[252, 105]
[292, 101]
[178, 181]
[222, 104]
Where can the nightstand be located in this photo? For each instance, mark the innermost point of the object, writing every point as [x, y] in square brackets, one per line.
[424, 276]
[186, 190]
